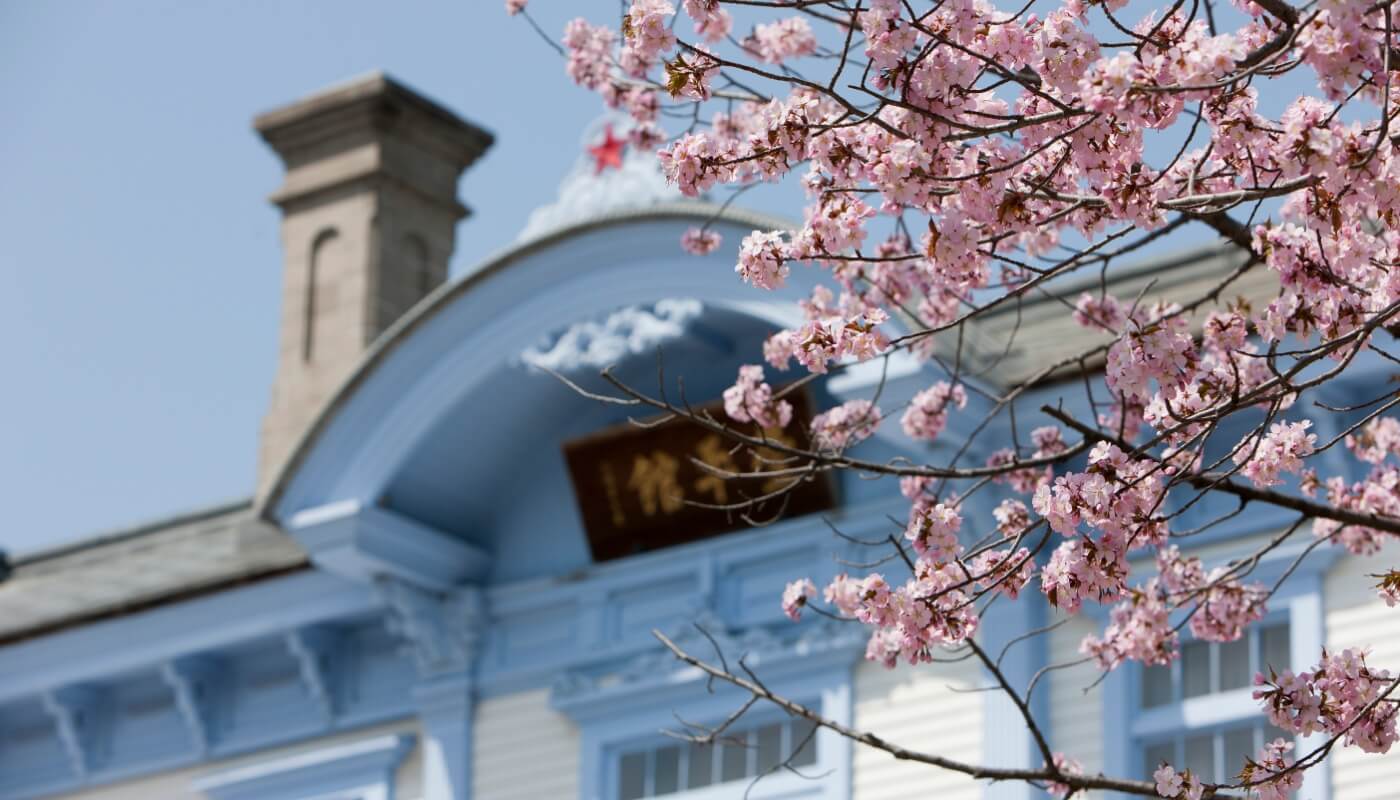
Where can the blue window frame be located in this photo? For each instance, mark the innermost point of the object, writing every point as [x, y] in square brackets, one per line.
[749, 751]
[1147, 715]
[624, 752]
[1198, 713]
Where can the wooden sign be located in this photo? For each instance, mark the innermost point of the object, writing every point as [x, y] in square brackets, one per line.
[632, 483]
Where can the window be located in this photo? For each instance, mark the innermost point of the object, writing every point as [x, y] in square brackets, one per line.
[1215, 756]
[741, 755]
[1198, 714]
[622, 716]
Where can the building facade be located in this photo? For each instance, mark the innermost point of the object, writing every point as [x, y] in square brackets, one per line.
[414, 605]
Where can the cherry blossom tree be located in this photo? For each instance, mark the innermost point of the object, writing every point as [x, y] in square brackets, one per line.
[960, 158]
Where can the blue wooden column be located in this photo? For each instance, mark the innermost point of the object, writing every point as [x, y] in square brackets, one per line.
[1006, 739]
[445, 708]
[443, 631]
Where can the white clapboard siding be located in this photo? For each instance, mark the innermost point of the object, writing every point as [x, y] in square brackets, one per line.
[1356, 617]
[523, 749]
[1076, 716]
[915, 708]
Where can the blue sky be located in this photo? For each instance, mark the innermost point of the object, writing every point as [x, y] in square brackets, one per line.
[139, 260]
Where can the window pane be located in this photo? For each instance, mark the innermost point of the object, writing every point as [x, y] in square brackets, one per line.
[1234, 664]
[632, 783]
[668, 771]
[701, 766]
[1156, 686]
[803, 736]
[770, 747]
[1155, 755]
[1200, 756]
[1271, 733]
[1274, 648]
[1195, 669]
[736, 758]
[1239, 745]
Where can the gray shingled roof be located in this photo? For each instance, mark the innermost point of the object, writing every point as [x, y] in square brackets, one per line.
[134, 568]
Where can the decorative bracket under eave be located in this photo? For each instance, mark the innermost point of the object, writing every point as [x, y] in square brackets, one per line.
[443, 630]
[192, 680]
[74, 709]
[315, 648]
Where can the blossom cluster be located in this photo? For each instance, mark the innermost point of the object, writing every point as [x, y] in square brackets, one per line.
[1117, 498]
[1378, 494]
[845, 425]
[776, 42]
[948, 171]
[1280, 450]
[1271, 772]
[1341, 696]
[751, 399]
[700, 241]
[927, 414]
[1139, 629]
[1177, 785]
[795, 596]
[1224, 604]
[712, 23]
[1048, 441]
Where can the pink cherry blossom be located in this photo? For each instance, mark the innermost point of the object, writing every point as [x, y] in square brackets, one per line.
[934, 531]
[688, 75]
[648, 28]
[1341, 696]
[1065, 766]
[1389, 588]
[1004, 571]
[778, 349]
[1099, 312]
[762, 260]
[1271, 774]
[795, 597]
[700, 241]
[1376, 440]
[845, 425]
[589, 49]
[1225, 605]
[712, 22]
[779, 41]
[1177, 785]
[927, 414]
[1140, 630]
[751, 400]
[1282, 449]
[688, 163]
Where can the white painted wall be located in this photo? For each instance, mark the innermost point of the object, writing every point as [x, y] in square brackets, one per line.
[1076, 715]
[523, 749]
[175, 784]
[1356, 617]
[917, 708]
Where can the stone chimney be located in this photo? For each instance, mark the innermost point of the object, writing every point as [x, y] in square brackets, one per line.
[369, 213]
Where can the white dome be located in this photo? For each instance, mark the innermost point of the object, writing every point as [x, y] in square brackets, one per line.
[586, 193]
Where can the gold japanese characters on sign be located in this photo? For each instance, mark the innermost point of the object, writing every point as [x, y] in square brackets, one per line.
[642, 489]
